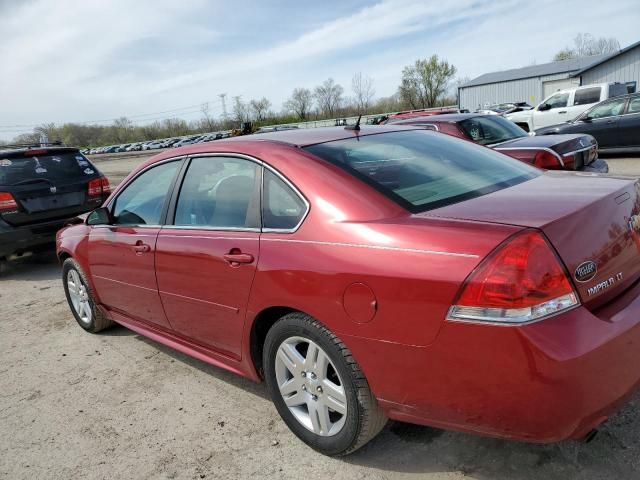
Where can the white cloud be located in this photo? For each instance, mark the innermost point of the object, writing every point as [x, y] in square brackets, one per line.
[69, 60]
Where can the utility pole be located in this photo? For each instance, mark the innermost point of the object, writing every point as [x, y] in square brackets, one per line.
[225, 115]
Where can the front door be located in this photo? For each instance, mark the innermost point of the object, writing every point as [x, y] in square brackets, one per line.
[602, 122]
[206, 260]
[121, 255]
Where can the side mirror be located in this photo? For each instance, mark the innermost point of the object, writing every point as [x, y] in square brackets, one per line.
[586, 119]
[100, 216]
[543, 107]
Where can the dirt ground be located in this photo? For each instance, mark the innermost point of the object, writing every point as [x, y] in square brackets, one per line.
[116, 405]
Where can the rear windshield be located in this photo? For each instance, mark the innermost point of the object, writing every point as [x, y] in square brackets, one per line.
[491, 129]
[422, 170]
[58, 167]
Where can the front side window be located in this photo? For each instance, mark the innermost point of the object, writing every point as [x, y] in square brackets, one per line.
[421, 170]
[490, 130]
[219, 192]
[142, 200]
[559, 100]
[585, 96]
[282, 209]
[607, 109]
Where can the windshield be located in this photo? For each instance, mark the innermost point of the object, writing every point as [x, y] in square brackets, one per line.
[490, 130]
[422, 170]
[58, 168]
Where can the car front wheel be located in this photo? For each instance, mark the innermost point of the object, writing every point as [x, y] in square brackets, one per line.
[81, 298]
[318, 388]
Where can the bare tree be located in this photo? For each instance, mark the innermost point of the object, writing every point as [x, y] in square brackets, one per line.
[260, 108]
[363, 91]
[425, 82]
[207, 121]
[240, 110]
[300, 102]
[328, 97]
[586, 45]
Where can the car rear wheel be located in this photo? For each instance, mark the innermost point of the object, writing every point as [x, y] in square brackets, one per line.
[318, 388]
[81, 299]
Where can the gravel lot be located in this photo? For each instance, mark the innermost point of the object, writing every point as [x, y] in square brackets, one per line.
[115, 405]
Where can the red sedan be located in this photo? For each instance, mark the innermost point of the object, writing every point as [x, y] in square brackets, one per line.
[559, 152]
[387, 272]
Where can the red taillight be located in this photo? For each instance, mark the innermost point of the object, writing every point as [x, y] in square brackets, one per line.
[547, 160]
[7, 202]
[98, 186]
[520, 282]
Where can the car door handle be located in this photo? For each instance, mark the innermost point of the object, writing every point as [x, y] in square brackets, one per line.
[237, 258]
[610, 121]
[141, 247]
[562, 111]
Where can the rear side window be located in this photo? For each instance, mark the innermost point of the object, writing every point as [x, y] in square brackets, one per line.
[491, 129]
[421, 170]
[608, 109]
[634, 105]
[584, 96]
[219, 192]
[283, 209]
[57, 168]
[142, 200]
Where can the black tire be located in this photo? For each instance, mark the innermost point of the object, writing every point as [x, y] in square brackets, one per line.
[364, 418]
[98, 321]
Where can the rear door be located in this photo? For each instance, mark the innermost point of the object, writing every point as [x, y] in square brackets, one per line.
[206, 260]
[629, 124]
[121, 255]
[602, 122]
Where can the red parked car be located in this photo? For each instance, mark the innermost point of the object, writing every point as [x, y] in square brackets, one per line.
[387, 272]
[559, 152]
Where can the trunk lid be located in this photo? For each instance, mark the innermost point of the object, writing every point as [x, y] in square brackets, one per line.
[46, 184]
[575, 150]
[593, 223]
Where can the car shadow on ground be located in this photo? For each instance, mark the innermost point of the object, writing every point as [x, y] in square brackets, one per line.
[614, 453]
[38, 267]
[258, 389]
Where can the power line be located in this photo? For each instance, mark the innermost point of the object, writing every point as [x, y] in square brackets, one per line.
[7, 127]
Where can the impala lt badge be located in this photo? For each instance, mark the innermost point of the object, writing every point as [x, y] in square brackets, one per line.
[585, 271]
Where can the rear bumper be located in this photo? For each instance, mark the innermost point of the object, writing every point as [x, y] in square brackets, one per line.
[16, 240]
[597, 166]
[549, 381]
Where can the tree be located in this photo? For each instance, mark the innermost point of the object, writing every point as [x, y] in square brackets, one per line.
[300, 102]
[363, 91]
[426, 81]
[329, 97]
[260, 108]
[240, 110]
[207, 121]
[586, 45]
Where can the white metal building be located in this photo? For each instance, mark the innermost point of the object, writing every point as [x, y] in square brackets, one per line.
[534, 83]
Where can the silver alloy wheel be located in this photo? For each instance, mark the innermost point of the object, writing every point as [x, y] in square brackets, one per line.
[311, 386]
[79, 296]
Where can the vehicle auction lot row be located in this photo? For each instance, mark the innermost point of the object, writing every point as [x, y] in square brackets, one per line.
[75, 405]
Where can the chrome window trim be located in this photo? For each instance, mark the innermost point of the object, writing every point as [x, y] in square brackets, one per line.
[275, 172]
[435, 127]
[126, 225]
[297, 192]
[546, 149]
[210, 228]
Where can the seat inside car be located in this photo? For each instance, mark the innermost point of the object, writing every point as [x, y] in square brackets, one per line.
[232, 199]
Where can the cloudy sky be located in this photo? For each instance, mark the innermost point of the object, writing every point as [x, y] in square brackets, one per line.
[83, 61]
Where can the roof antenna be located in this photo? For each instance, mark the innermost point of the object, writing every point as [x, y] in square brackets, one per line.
[355, 127]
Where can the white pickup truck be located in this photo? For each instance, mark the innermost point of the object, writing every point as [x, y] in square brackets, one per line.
[565, 105]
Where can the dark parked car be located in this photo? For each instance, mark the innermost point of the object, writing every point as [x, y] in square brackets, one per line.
[614, 123]
[563, 152]
[374, 273]
[41, 188]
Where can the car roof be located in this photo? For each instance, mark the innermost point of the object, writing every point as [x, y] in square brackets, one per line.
[8, 150]
[303, 137]
[449, 117]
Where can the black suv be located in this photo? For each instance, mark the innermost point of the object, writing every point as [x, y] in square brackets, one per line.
[41, 188]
